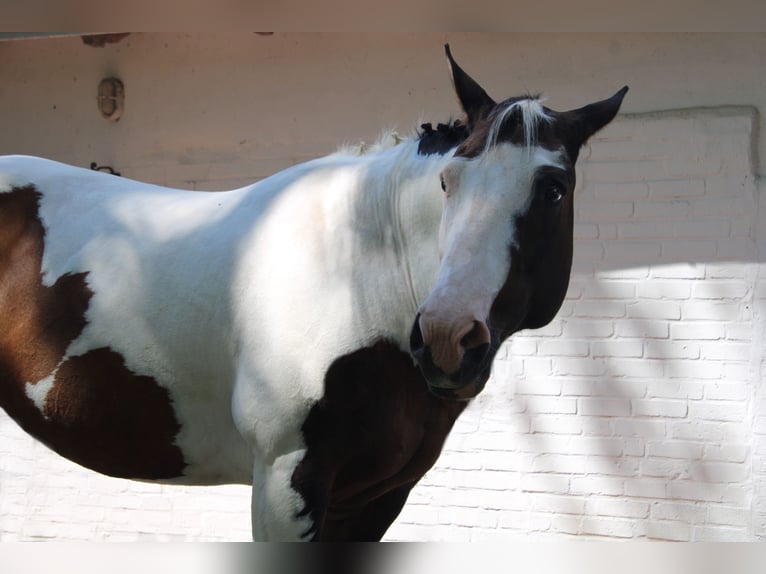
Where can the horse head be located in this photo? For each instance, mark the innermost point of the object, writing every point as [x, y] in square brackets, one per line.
[505, 236]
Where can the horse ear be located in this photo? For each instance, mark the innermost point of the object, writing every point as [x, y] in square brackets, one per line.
[474, 100]
[587, 120]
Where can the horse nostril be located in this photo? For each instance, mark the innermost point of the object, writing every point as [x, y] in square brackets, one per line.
[476, 337]
[416, 339]
[475, 345]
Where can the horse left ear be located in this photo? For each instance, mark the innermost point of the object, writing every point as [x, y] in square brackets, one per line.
[474, 100]
[587, 120]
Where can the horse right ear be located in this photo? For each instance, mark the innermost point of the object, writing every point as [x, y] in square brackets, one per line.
[587, 120]
[473, 99]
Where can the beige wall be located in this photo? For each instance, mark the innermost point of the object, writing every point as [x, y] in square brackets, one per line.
[237, 106]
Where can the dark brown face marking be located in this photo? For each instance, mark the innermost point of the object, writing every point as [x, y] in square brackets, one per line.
[98, 413]
[371, 437]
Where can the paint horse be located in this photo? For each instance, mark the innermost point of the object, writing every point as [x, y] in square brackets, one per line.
[315, 334]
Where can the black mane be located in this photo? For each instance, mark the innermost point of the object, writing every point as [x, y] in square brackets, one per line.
[442, 139]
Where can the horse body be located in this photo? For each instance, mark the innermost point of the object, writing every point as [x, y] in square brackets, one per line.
[225, 337]
[315, 334]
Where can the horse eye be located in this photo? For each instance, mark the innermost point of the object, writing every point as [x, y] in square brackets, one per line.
[554, 192]
[444, 185]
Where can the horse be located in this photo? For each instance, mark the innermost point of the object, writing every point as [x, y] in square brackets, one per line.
[314, 335]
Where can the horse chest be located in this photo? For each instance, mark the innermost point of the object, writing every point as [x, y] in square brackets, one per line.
[376, 430]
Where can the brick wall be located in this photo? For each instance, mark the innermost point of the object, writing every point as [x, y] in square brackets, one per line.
[637, 413]
[46, 497]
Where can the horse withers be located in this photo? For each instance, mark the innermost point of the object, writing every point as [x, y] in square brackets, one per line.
[315, 334]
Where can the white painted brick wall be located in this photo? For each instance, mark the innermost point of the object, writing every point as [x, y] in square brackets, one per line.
[637, 413]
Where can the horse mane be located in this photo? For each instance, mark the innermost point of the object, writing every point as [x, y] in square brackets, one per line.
[387, 140]
[442, 139]
[430, 141]
[527, 109]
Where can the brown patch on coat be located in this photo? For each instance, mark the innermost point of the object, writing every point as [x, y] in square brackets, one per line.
[372, 436]
[98, 413]
[113, 421]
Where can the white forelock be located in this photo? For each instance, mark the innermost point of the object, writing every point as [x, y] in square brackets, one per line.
[532, 114]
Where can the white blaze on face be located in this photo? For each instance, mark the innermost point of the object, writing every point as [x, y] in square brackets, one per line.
[483, 198]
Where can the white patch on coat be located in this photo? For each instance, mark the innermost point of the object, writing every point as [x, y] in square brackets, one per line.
[275, 506]
[38, 392]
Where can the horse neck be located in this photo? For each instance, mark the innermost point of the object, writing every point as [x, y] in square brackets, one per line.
[368, 230]
[406, 202]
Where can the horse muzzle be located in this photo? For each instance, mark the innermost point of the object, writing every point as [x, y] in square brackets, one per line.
[462, 370]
